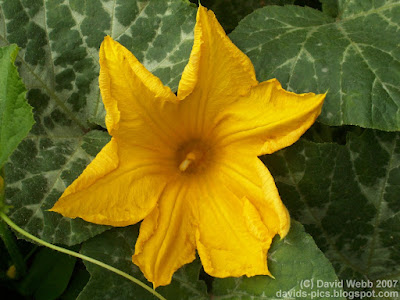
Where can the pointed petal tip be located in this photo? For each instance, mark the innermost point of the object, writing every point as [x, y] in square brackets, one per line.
[56, 207]
[284, 230]
[150, 277]
[107, 40]
[208, 34]
[204, 14]
[157, 278]
[278, 86]
[61, 208]
[270, 275]
[201, 8]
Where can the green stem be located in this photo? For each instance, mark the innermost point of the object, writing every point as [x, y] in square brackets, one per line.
[81, 256]
[11, 245]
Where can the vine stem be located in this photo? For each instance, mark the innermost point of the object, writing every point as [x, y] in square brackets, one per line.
[81, 256]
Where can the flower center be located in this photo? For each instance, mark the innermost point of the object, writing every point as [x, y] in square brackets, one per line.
[193, 156]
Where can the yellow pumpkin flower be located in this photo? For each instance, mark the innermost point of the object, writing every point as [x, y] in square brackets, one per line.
[187, 164]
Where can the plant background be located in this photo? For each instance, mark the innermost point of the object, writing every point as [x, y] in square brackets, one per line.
[341, 180]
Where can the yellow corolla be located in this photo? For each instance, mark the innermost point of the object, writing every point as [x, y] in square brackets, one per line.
[187, 164]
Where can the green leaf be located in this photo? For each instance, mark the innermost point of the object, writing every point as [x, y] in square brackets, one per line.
[117, 248]
[347, 198]
[16, 117]
[294, 261]
[60, 42]
[39, 171]
[79, 279]
[229, 13]
[330, 7]
[355, 58]
[48, 276]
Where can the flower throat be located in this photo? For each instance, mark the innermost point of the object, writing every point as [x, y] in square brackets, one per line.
[192, 157]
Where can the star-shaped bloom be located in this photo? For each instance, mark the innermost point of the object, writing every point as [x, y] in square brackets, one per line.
[187, 164]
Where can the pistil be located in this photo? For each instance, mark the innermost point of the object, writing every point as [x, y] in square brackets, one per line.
[190, 157]
[193, 157]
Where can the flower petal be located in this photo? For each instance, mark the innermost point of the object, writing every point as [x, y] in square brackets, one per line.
[270, 118]
[248, 177]
[166, 238]
[112, 190]
[231, 238]
[217, 72]
[128, 89]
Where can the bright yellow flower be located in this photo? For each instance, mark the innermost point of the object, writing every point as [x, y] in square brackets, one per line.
[188, 164]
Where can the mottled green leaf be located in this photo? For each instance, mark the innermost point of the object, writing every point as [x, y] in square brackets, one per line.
[230, 12]
[48, 275]
[16, 117]
[347, 196]
[44, 164]
[294, 261]
[117, 248]
[60, 41]
[356, 58]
